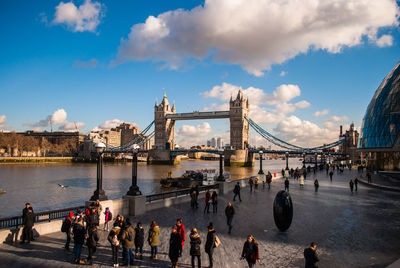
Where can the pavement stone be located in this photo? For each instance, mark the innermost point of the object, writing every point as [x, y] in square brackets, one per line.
[360, 229]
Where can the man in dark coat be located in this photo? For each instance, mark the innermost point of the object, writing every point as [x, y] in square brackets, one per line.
[356, 183]
[236, 191]
[229, 212]
[175, 247]
[139, 240]
[93, 239]
[330, 175]
[195, 242]
[210, 243]
[287, 184]
[24, 211]
[28, 222]
[68, 225]
[92, 218]
[79, 239]
[311, 256]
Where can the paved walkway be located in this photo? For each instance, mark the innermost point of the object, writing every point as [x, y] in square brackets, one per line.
[360, 229]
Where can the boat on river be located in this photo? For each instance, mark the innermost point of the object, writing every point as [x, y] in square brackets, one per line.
[2, 191]
[190, 178]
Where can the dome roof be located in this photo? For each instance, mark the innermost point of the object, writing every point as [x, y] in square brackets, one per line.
[381, 123]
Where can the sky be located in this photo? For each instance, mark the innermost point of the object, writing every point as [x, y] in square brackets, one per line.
[306, 66]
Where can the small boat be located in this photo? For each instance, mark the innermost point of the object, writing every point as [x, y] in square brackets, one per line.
[190, 179]
[2, 191]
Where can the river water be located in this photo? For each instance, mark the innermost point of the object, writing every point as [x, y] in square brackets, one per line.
[38, 184]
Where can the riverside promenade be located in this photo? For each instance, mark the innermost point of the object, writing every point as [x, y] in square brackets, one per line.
[360, 229]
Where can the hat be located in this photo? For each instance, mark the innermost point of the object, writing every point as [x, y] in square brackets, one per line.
[107, 209]
[210, 226]
[71, 214]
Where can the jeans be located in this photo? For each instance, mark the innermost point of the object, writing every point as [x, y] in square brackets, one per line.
[128, 256]
[229, 223]
[198, 261]
[77, 251]
[154, 251]
[139, 250]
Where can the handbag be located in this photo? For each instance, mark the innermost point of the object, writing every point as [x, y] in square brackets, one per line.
[217, 242]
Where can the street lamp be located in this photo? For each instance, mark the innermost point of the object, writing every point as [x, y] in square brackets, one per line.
[134, 189]
[304, 160]
[221, 169]
[329, 159]
[261, 158]
[287, 160]
[316, 161]
[99, 194]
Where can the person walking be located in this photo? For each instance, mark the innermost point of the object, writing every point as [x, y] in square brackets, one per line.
[175, 247]
[287, 184]
[107, 219]
[214, 200]
[127, 240]
[180, 228]
[79, 233]
[311, 256]
[369, 177]
[66, 228]
[356, 183]
[331, 175]
[210, 243]
[28, 222]
[316, 185]
[269, 180]
[229, 212]
[250, 251]
[236, 192]
[351, 183]
[91, 243]
[251, 184]
[256, 182]
[301, 181]
[207, 201]
[113, 238]
[139, 240]
[195, 242]
[153, 239]
[193, 198]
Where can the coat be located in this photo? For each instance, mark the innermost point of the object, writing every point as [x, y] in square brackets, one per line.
[79, 233]
[229, 212]
[154, 234]
[29, 219]
[195, 242]
[181, 232]
[175, 246]
[210, 242]
[93, 238]
[236, 190]
[139, 237]
[114, 232]
[251, 255]
[93, 220]
[311, 257]
[125, 237]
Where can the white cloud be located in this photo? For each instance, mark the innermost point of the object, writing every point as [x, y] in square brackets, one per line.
[256, 33]
[321, 113]
[111, 124]
[195, 131]
[86, 64]
[283, 73]
[336, 118]
[86, 17]
[3, 121]
[384, 41]
[59, 117]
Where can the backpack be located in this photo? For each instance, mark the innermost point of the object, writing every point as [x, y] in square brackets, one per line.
[109, 216]
[65, 226]
[115, 241]
[130, 236]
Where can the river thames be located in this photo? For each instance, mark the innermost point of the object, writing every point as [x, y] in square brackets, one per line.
[38, 184]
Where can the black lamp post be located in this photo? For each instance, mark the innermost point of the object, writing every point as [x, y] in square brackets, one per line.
[261, 156]
[316, 161]
[134, 189]
[329, 159]
[304, 160]
[221, 168]
[99, 194]
[287, 160]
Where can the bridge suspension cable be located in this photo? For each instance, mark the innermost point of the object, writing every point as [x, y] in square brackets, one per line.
[283, 144]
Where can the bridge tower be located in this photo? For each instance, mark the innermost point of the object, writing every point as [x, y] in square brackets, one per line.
[164, 128]
[238, 109]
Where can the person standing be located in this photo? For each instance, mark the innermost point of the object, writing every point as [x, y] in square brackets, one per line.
[79, 233]
[113, 238]
[236, 192]
[193, 197]
[153, 239]
[28, 222]
[351, 183]
[24, 212]
[287, 184]
[214, 200]
[92, 218]
[250, 251]
[175, 247]
[128, 239]
[98, 208]
[107, 219]
[251, 184]
[269, 180]
[139, 240]
[91, 242]
[316, 185]
[256, 182]
[210, 243]
[195, 242]
[66, 228]
[180, 228]
[207, 201]
[368, 176]
[356, 183]
[229, 212]
[330, 175]
[311, 256]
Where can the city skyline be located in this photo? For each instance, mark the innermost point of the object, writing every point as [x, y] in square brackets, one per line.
[93, 64]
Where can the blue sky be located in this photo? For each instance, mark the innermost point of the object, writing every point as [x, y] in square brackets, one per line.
[89, 62]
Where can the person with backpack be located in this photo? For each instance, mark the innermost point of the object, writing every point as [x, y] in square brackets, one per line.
[153, 239]
[91, 243]
[175, 247]
[79, 233]
[128, 239]
[195, 251]
[66, 228]
[214, 200]
[107, 219]
[139, 240]
[113, 238]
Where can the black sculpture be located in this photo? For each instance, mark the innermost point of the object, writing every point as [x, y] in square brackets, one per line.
[283, 210]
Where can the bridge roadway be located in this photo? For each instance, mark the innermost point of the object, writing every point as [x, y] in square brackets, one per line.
[198, 115]
[352, 230]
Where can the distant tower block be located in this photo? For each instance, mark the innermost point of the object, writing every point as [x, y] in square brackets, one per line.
[164, 128]
[238, 109]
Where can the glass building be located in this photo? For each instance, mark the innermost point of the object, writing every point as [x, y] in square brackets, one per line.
[380, 138]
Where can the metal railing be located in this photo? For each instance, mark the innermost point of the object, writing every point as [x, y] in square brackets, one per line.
[178, 193]
[39, 217]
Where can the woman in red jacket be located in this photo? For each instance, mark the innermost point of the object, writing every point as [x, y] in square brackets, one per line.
[250, 251]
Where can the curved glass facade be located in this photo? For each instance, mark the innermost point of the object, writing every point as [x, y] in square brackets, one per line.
[381, 123]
